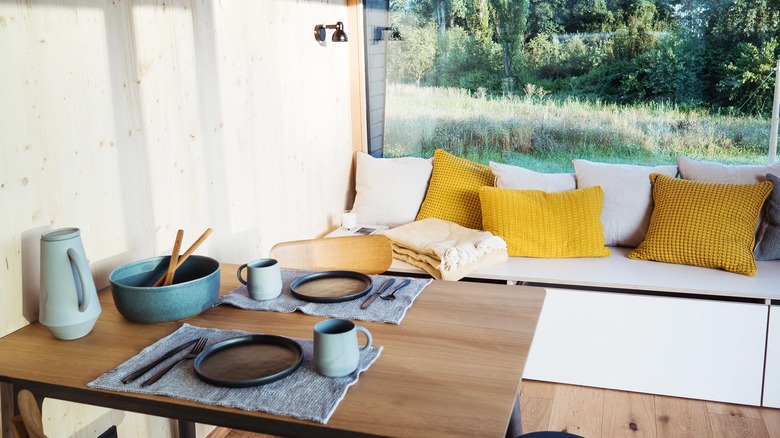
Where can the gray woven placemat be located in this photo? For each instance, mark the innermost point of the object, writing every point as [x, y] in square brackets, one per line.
[379, 311]
[304, 394]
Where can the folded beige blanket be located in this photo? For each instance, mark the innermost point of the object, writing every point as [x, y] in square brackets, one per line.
[445, 249]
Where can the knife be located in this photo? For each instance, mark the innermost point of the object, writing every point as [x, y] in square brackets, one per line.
[136, 374]
[373, 296]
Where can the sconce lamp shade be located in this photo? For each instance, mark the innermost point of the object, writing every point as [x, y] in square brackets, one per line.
[339, 36]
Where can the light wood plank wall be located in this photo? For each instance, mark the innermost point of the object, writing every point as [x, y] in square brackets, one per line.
[132, 119]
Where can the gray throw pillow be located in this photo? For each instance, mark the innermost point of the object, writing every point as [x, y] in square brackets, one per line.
[768, 247]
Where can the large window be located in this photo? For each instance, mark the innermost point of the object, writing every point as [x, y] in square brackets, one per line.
[539, 82]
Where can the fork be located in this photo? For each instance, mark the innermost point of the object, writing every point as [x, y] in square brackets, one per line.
[391, 295]
[196, 349]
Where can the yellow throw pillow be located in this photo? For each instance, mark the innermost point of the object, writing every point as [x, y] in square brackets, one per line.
[453, 193]
[706, 224]
[540, 224]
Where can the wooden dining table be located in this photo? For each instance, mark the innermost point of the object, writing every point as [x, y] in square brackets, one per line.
[452, 367]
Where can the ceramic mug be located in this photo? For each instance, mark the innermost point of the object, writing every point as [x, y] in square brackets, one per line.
[264, 278]
[336, 349]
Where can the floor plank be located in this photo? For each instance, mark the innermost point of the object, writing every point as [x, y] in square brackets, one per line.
[536, 399]
[728, 420]
[737, 426]
[734, 410]
[772, 421]
[681, 418]
[628, 414]
[537, 389]
[578, 410]
[536, 413]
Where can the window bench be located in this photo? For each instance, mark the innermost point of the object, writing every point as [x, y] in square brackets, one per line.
[651, 327]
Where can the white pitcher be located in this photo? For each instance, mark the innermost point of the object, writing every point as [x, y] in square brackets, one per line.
[69, 303]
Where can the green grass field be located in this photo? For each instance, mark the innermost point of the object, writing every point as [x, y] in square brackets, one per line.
[546, 135]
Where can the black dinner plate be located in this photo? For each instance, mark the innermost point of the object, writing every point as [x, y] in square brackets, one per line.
[331, 286]
[249, 360]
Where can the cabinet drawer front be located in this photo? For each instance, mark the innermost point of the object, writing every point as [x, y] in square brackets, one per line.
[772, 378]
[703, 349]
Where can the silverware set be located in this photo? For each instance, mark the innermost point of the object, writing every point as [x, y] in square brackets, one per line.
[389, 296]
[373, 295]
[200, 344]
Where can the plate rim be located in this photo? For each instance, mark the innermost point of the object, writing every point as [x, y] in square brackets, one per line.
[245, 340]
[331, 274]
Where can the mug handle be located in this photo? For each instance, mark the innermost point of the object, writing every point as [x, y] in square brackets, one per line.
[241, 268]
[365, 331]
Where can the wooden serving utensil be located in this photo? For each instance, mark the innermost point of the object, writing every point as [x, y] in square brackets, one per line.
[174, 262]
[186, 255]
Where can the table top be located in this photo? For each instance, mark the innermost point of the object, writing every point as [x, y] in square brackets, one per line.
[452, 367]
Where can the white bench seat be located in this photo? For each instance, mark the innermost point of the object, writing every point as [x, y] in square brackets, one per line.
[652, 327]
[619, 272]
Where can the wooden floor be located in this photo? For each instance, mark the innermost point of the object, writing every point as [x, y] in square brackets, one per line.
[593, 412]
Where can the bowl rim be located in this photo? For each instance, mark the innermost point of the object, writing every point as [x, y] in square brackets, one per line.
[144, 288]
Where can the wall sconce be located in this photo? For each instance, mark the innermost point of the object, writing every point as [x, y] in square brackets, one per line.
[339, 36]
[379, 34]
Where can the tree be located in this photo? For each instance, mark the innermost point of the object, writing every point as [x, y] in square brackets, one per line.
[750, 21]
[545, 17]
[509, 18]
[746, 75]
[590, 16]
[730, 23]
[635, 37]
[471, 64]
[439, 11]
[474, 17]
[415, 55]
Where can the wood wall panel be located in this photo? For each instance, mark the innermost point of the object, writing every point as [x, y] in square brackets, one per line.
[132, 119]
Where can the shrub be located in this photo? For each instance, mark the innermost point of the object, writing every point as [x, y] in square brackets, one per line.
[514, 129]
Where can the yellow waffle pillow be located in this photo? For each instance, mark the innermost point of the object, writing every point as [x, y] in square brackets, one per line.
[706, 224]
[540, 224]
[453, 193]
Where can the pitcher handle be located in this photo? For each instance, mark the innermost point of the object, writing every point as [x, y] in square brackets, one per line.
[87, 287]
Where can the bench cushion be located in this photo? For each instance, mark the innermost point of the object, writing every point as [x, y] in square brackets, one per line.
[453, 193]
[519, 178]
[389, 191]
[627, 197]
[703, 224]
[699, 170]
[539, 224]
[769, 246]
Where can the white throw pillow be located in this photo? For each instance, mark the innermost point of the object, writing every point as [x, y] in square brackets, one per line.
[628, 197]
[519, 178]
[389, 191]
[711, 171]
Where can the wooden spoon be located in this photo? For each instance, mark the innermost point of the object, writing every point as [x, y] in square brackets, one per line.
[174, 262]
[186, 254]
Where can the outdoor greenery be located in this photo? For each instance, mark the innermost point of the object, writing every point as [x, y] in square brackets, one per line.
[710, 54]
[546, 135]
[549, 80]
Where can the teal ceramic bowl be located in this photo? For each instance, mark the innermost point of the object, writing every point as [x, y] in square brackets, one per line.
[195, 288]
